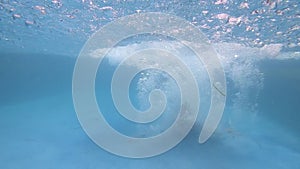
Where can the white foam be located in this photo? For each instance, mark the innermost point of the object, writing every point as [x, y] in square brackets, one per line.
[240, 63]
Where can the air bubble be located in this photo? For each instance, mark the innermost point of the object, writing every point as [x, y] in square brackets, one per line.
[28, 22]
[16, 16]
[244, 5]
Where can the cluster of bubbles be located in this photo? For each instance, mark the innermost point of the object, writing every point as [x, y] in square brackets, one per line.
[244, 78]
[240, 62]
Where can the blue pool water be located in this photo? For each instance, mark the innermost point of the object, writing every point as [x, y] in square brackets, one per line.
[258, 44]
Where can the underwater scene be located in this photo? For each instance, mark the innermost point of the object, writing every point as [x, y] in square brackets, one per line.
[150, 84]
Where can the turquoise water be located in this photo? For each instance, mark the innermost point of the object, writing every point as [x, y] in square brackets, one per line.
[258, 45]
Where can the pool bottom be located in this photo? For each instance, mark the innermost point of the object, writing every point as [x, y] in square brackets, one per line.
[45, 133]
